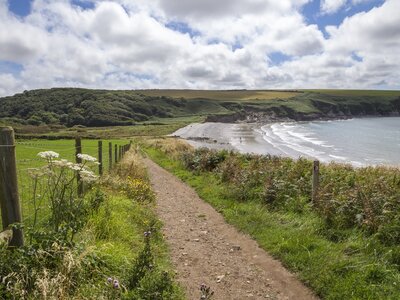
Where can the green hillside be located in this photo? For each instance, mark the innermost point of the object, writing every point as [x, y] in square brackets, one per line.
[96, 108]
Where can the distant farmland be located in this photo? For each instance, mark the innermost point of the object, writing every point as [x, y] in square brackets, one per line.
[224, 95]
[349, 93]
[60, 110]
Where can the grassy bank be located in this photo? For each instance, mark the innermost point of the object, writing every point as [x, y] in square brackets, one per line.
[344, 247]
[157, 127]
[106, 245]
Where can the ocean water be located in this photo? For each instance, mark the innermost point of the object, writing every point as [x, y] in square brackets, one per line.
[366, 141]
[360, 142]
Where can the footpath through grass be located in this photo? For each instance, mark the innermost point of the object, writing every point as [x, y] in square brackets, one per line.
[105, 245]
[337, 263]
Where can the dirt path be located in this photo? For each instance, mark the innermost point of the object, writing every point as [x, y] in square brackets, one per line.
[205, 249]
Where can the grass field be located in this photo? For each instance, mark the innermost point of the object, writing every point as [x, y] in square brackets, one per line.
[27, 158]
[156, 127]
[371, 93]
[222, 95]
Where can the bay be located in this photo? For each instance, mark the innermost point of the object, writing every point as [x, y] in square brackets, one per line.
[361, 142]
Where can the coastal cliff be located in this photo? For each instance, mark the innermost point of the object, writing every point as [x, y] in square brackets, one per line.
[336, 108]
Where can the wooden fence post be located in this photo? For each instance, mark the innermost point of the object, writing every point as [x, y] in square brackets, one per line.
[116, 153]
[100, 146]
[119, 153]
[110, 156]
[315, 182]
[78, 150]
[9, 196]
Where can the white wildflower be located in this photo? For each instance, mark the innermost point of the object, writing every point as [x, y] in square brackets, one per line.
[48, 154]
[61, 163]
[75, 167]
[86, 157]
[87, 176]
[35, 172]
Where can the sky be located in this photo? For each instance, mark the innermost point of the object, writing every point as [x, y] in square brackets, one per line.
[192, 44]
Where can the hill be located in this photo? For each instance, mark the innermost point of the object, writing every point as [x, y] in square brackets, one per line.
[71, 106]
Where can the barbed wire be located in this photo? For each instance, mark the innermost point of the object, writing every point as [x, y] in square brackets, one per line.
[57, 145]
[24, 165]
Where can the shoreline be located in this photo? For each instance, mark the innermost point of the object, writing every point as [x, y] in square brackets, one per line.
[264, 117]
[282, 139]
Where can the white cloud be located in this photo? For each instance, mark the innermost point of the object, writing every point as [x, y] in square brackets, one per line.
[20, 41]
[8, 84]
[128, 44]
[332, 6]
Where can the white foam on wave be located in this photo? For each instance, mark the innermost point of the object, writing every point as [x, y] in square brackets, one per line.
[281, 134]
[338, 157]
[272, 140]
[306, 136]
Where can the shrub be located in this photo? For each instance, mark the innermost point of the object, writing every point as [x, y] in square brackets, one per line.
[146, 280]
[368, 198]
[203, 159]
[138, 190]
[51, 272]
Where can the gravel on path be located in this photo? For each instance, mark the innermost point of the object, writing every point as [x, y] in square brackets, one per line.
[206, 250]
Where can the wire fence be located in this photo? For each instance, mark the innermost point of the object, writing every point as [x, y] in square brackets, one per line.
[27, 159]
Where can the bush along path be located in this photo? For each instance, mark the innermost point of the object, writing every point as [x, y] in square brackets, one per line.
[344, 246]
[211, 256]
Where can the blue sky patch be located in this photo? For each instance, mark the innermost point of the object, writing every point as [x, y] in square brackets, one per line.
[20, 8]
[237, 46]
[183, 28]
[278, 58]
[356, 57]
[85, 4]
[312, 13]
[8, 67]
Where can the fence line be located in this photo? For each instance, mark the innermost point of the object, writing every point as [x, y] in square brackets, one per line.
[9, 196]
[9, 173]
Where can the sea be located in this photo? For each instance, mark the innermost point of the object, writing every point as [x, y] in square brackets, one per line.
[359, 141]
[367, 141]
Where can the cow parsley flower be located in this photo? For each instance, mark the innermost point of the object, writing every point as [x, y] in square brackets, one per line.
[62, 163]
[35, 172]
[75, 167]
[48, 154]
[87, 176]
[86, 157]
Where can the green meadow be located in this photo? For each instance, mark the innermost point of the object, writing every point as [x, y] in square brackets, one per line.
[27, 158]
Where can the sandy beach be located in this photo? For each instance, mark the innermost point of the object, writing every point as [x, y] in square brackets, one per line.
[242, 137]
[360, 142]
